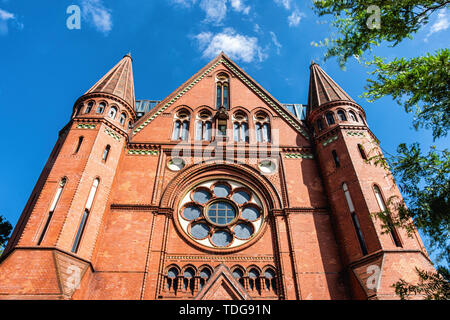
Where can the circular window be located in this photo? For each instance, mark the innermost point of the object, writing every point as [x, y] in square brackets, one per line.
[176, 164]
[221, 214]
[267, 166]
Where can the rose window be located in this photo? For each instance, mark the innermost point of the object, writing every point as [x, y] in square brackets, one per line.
[221, 214]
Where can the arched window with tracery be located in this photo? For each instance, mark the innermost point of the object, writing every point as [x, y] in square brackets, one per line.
[353, 116]
[189, 280]
[262, 125]
[203, 131]
[270, 283]
[341, 115]
[181, 125]
[330, 118]
[223, 91]
[238, 274]
[254, 280]
[240, 127]
[205, 274]
[172, 280]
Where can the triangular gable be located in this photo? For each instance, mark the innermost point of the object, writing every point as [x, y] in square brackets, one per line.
[222, 286]
[239, 73]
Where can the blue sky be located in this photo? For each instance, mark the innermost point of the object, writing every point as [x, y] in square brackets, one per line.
[45, 66]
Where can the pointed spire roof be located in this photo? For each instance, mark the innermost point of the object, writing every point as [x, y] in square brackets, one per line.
[118, 82]
[323, 89]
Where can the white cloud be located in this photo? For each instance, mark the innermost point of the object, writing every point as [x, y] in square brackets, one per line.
[95, 12]
[275, 42]
[442, 23]
[216, 10]
[285, 3]
[295, 17]
[237, 46]
[238, 5]
[5, 18]
[5, 15]
[185, 3]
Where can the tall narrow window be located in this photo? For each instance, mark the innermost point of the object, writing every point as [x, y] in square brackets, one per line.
[181, 126]
[106, 153]
[55, 201]
[319, 125]
[123, 117]
[172, 280]
[382, 205]
[101, 107]
[262, 124]
[80, 142]
[330, 118]
[223, 91]
[240, 127]
[355, 220]
[336, 159]
[89, 107]
[85, 216]
[225, 96]
[112, 112]
[204, 126]
[362, 151]
[205, 274]
[188, 281]
[353, 116]
[341, 115]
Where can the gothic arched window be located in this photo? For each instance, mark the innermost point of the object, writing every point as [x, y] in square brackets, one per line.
[123, 117]
[262, 125]
[181, 126]
[101, 107]
[341, 115]
[89, 107]
[353, 116]
[319, 125]
[204, 126]
[112, 112]
[172, 279]
[223, 91]
[189, 281]
[330, 118]
[240, 127]
[205, 274]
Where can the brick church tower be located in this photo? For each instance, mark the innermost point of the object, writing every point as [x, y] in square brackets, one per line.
[217, 192]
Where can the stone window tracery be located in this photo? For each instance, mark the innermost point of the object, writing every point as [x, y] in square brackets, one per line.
[221, 214]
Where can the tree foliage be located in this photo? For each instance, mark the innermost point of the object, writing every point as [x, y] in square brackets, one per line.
[420, 85]
[5, 230]
[400, 19]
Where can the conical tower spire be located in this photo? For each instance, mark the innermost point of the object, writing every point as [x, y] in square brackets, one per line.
[323, 89]
[118, 82]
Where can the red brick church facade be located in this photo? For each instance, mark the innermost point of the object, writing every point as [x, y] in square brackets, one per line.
[216, 192]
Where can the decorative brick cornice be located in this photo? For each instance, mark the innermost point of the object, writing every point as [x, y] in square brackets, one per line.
[133, 207]
[86, 126]
[113, 134]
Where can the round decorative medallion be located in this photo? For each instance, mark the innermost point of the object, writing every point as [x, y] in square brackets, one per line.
[221, 214]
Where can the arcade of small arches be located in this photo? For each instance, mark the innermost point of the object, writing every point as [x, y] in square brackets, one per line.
[92, 107]
[189, 280]
[339, 116]
[207, 127]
